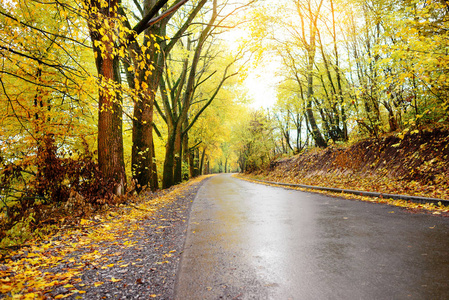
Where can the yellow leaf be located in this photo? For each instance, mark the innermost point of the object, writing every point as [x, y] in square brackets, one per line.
[5, 288]
[30, 296]
[115, 280]
[97, 284]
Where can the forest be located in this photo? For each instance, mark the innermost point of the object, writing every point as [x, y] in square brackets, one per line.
[103, 99]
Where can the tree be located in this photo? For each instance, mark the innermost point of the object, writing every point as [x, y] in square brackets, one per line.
[253, 141]
[289, 112]
[178, 94]
[111, 34]
[145, 73]
[102, 18]
[45, 83]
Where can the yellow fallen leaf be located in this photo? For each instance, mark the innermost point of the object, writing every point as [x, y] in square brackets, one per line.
[97, 284]
[68, 286]
[5, 288]
[115, 280]
[29, 296]
[124, 266]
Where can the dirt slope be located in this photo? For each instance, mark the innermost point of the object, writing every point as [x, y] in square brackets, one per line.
[418, 165]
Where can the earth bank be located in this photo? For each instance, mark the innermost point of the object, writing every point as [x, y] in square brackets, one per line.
[415, 165]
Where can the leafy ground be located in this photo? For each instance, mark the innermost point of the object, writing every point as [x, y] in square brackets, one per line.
[414, 164]
[133, 249]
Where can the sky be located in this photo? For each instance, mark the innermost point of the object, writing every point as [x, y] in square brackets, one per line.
[262, 80]
[261, 84]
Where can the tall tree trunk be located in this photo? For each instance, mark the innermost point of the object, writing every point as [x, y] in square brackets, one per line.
[143, 158]
[110, 138]
[194, 160]
[177, 168]
[316, 133]
[143, 155]
[169, 162]
[310, 46]
[192, 163]
[185, 147]
[344, 118]
[202, 162]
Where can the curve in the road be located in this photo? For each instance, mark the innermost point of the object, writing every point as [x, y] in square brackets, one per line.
[253, 241]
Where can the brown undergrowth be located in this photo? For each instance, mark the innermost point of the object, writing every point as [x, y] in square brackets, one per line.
[417, 164]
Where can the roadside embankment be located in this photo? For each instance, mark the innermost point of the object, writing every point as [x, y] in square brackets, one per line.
[416, 165]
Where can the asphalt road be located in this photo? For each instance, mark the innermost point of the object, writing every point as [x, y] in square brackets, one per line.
[250, 241]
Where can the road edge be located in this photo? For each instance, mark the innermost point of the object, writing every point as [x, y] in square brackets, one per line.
[415, 199]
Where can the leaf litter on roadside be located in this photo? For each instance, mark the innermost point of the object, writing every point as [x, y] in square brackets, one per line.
[34, 272]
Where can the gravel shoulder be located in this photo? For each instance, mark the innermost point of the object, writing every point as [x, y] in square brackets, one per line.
[152, 263]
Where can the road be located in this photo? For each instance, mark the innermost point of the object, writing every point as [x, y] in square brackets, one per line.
[250, 241]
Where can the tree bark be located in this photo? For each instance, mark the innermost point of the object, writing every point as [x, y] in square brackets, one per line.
[311, 51]
[169, 162]
[110, 138]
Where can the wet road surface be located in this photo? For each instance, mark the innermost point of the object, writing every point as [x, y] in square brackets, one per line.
[250, 241]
